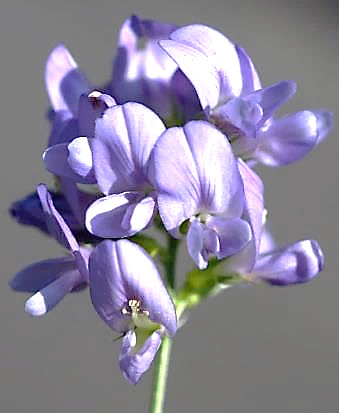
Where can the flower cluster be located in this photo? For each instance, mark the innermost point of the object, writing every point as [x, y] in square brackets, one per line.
[169, 142]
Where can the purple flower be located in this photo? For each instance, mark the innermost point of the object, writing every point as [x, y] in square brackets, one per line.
[197, 179]
[128, 294]
[75, 110]
[296, 263]
[52, 279]
[71, 158]
[142, 71]
[124, 139]
[28, 211]
[260, 260]
[230, 93]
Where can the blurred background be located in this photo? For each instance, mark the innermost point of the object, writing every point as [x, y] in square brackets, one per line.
[250, 349]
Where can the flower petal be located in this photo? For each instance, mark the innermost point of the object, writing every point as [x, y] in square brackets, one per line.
[80, 159]
[294, 264]
[250, 78]
[234, 234]
[195, 244]
[121, 271]
[124, 138]
[272, 97]
[133, 365]
[195, 171]
[48, 297]
[288, 139]
[120, 215]
[56, 224]
[38, 275]
[142, 73]
[219, 74]
[72, 161]
[65, 83]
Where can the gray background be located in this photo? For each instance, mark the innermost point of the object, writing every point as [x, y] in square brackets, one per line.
[250, 349]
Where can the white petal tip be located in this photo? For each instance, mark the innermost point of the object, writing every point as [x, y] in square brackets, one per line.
[36, 306]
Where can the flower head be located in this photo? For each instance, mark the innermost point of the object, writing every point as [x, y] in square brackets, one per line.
[232, 98]
[51, 280]
[128, 294]
[197, 179]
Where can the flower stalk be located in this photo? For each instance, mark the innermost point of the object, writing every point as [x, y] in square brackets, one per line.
[160, 374]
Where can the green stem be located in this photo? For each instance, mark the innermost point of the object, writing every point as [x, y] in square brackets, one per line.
[160, 376]
[170, 264]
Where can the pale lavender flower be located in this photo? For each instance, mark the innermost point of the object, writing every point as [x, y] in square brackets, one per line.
[142, 71]
[261, 260]
[62, 159]
[295, 263]
[197, 179]
[76, 107]
[128, 294]
[52, 279]
[232, 98]
[124, 139]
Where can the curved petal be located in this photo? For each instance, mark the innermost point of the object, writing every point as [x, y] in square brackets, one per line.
[244, 261]
[48, 297]
[294, 264]
[195, 244]
[124, 138]
[38, 275]
[254, 196]
[288, 139]
[120, 215]
[134, 365]
[121, 271]
[250, 78]
[272, 97]
[72, 161]
[219, 74]
[56, 224]
[80, 159]
[65, 83]
[139, 215]
[234, 234]
[195, 171]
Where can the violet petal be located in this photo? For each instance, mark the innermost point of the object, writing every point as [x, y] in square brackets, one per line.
[48, 297]
[124, 138]
[288, 139]
[119, 215]
[195, 244]
[194, 171]
[121, 271]
[38, 275]
[64, 81]
[233, 233]
[250, 77]
[219, 74]
[272, 97]
[295, 264]
[133, 365]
